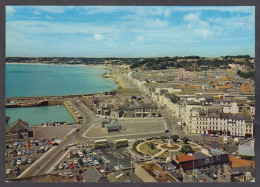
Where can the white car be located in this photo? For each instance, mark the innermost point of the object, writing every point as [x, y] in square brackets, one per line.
[8, 171]
[75, 161]
[96, 162]
[61, 166]
[19, 153]
[29, 161]
[19, 162]
[68, 156]
[85, 160]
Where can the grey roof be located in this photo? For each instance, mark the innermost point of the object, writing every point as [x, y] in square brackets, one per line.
[235, 117]
[200, 155]
[215, 152]
[237, 170]
[248, 142]
[91, 175]
[114, 125]
[19, 125]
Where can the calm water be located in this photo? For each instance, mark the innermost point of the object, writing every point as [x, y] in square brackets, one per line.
[51, 80]
[38, 115]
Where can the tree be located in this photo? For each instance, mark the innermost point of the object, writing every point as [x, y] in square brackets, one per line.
[151, 145]
[185, 140]
[187, 149]
[175, 137]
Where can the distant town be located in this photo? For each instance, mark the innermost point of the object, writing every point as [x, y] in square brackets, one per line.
[171, 119]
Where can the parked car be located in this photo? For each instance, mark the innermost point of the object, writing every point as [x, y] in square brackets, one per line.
[8, 171]
[71, 165]
[55, 168]
[19, 162]
[19, 153]
[64, 148]
[61, 167]
[29, 161]
[14, 162]
[66, 166]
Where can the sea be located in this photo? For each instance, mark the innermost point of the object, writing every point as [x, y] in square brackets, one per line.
[23, 80]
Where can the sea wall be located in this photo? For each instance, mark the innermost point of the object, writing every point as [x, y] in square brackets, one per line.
[71, 112]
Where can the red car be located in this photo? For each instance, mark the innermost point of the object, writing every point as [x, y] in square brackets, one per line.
[24, 145]
[71, 166]
[28, 145]
[28, 149]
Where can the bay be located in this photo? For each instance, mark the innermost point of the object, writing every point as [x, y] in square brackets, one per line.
[23, 80]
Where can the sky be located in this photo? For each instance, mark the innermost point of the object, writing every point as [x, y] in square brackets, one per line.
[129, 31]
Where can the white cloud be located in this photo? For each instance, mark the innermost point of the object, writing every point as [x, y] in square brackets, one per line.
[102, 9]
[9, 10]
[155, 22]
[36, 12]
[98, 36]
[139, 38]
[52, 9]
[167, 13]
[197, 26]
[49, 17]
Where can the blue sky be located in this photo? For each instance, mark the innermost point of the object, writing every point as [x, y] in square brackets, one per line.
[129, 31]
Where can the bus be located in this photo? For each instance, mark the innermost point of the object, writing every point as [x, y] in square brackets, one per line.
[100, 143]
[121, 143]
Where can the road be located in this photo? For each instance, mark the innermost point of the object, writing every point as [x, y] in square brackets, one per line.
[48, 160]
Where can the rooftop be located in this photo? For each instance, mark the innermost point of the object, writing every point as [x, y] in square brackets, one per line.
[238, 162]
[185, 158]
[151, 167]
[215, 152]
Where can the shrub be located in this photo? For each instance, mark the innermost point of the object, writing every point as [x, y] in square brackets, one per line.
[185, 140]
[175, 137]
[187, 149]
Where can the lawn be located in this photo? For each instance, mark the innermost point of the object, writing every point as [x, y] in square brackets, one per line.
[164, 155]
[144, 148]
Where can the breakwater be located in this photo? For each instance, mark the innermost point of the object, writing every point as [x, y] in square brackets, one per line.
[71, 112]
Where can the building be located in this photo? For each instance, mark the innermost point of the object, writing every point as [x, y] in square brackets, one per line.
[19, 130]
[91, 175]
[150, 171]
[114, 126]
[187, 162]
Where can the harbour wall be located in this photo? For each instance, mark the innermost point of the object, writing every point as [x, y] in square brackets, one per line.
[71, 112]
